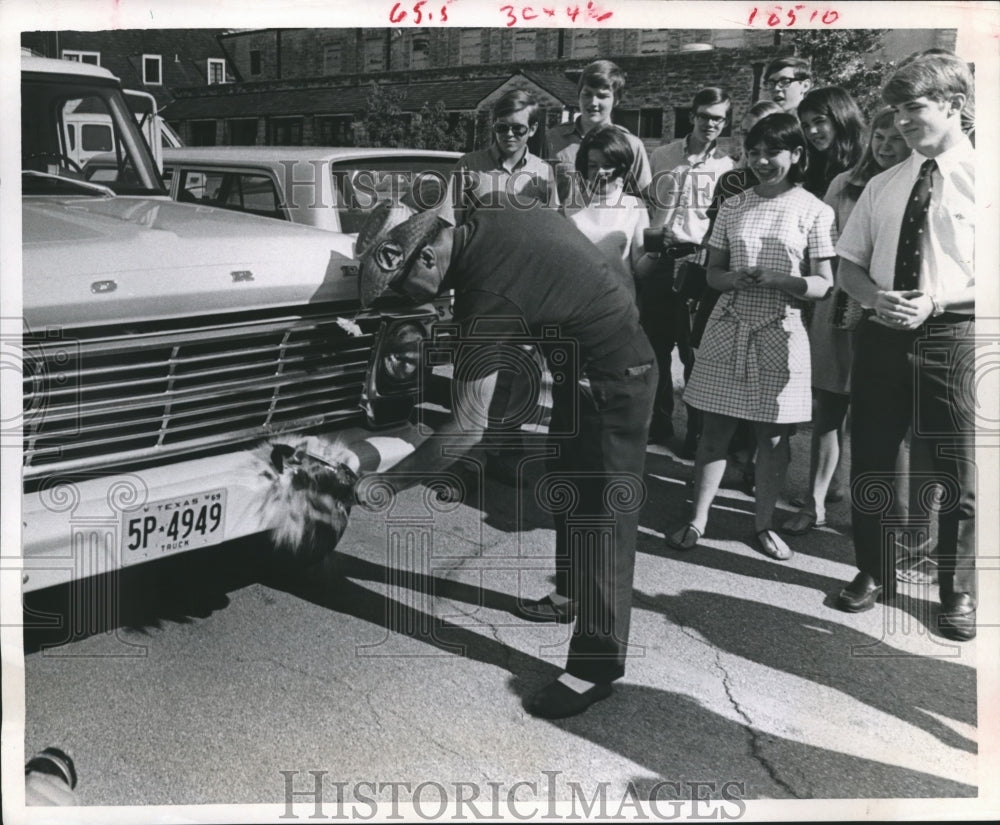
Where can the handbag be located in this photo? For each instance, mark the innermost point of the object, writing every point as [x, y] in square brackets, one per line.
[690, 280]
[847, 311]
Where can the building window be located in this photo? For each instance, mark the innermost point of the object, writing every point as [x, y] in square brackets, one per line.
[727, 38]
[653, 41]
[94, 58]
[524, 45]
[420, 52]
[585, 43]
[470, 47]
[285, 131]
[255, 61]
[202, 132]
[335, 130]
[241, 131]
[152, 70]
[332, 56]
[643, 123]
[374, 53]
[216, 71]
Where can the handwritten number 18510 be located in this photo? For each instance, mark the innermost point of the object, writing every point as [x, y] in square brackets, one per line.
[792, 15]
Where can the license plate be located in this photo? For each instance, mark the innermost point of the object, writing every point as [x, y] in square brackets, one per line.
[173, 525]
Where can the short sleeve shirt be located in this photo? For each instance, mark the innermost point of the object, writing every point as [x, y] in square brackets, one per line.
[871, 235]
[563, 142]
[480, 177]
[682, 187]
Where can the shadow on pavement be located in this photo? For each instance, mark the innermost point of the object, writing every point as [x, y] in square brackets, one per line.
[835, 656]
[676, 738]
[670, 734]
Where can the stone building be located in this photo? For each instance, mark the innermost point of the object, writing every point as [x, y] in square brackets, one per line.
[309, 86]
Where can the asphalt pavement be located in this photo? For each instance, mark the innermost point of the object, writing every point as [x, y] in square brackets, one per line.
[225, 676]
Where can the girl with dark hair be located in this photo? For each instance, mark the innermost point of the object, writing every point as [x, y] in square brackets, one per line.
[612, 219]
[834, 127]
[770, 252]
[830, 335]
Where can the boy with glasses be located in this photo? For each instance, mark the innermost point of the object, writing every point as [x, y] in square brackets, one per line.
[504, 175]
[786, 80]
[685, 172]
[506, 167]
[599, 90]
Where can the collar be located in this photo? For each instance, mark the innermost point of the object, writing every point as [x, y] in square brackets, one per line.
[710, 151]
[498, 159]
[459, 238]
[580, 133]
[961, 154]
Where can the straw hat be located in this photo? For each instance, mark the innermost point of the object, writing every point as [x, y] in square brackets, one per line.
[380, 220]
[391, 254]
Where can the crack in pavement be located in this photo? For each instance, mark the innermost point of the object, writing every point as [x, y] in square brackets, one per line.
[754, 737]
[753, 734]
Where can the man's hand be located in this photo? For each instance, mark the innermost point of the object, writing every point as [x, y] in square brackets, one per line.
[902, 310]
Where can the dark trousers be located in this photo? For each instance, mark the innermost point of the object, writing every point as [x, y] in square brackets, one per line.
[667, 323]
[925, 379]
[595, 490]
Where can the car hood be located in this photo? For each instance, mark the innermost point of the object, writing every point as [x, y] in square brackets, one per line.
[105, 260]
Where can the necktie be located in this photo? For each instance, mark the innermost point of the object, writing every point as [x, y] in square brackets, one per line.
[914, 223]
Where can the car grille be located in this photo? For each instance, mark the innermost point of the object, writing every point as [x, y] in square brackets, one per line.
[131, 396]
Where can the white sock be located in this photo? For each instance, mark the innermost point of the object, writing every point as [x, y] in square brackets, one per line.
[575, 684]
[558, 600]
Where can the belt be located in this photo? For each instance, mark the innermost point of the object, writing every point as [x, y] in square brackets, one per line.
[680, 250]
[943, 318]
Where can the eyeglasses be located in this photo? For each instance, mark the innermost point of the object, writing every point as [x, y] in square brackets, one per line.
[714, 120]
[517, 129]
[782, 83]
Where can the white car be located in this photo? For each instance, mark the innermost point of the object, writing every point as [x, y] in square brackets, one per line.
[329, 188]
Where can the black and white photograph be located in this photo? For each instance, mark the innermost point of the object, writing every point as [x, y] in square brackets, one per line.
[499, 410]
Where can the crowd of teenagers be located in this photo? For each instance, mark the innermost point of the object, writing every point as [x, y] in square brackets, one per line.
[798, 282]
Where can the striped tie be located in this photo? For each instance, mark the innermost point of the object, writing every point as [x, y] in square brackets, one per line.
[908, 252]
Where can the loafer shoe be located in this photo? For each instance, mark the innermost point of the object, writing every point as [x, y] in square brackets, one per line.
[860, 595]
[545, 610]
[557, 701]
[957, 619]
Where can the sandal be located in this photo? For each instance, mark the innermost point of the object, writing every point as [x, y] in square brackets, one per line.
[801, 523]
[773, 546]
[686, 538]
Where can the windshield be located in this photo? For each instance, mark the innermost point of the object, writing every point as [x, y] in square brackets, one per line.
[73, 132]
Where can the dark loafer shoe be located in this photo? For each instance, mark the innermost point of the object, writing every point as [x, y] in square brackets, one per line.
[557, 701]
[957, 619]
[860, 595]
[545, 610]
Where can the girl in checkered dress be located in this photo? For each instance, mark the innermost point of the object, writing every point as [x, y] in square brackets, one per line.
[769, 254]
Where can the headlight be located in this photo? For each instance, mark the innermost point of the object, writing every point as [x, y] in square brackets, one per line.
[400, 356]
[395, 370]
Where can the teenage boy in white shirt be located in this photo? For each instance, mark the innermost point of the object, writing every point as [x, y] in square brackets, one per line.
[915, 352]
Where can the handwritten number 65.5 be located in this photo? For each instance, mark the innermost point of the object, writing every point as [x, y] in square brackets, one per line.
[398, 15]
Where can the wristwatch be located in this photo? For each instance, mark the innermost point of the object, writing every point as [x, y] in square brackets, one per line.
[937, 307]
